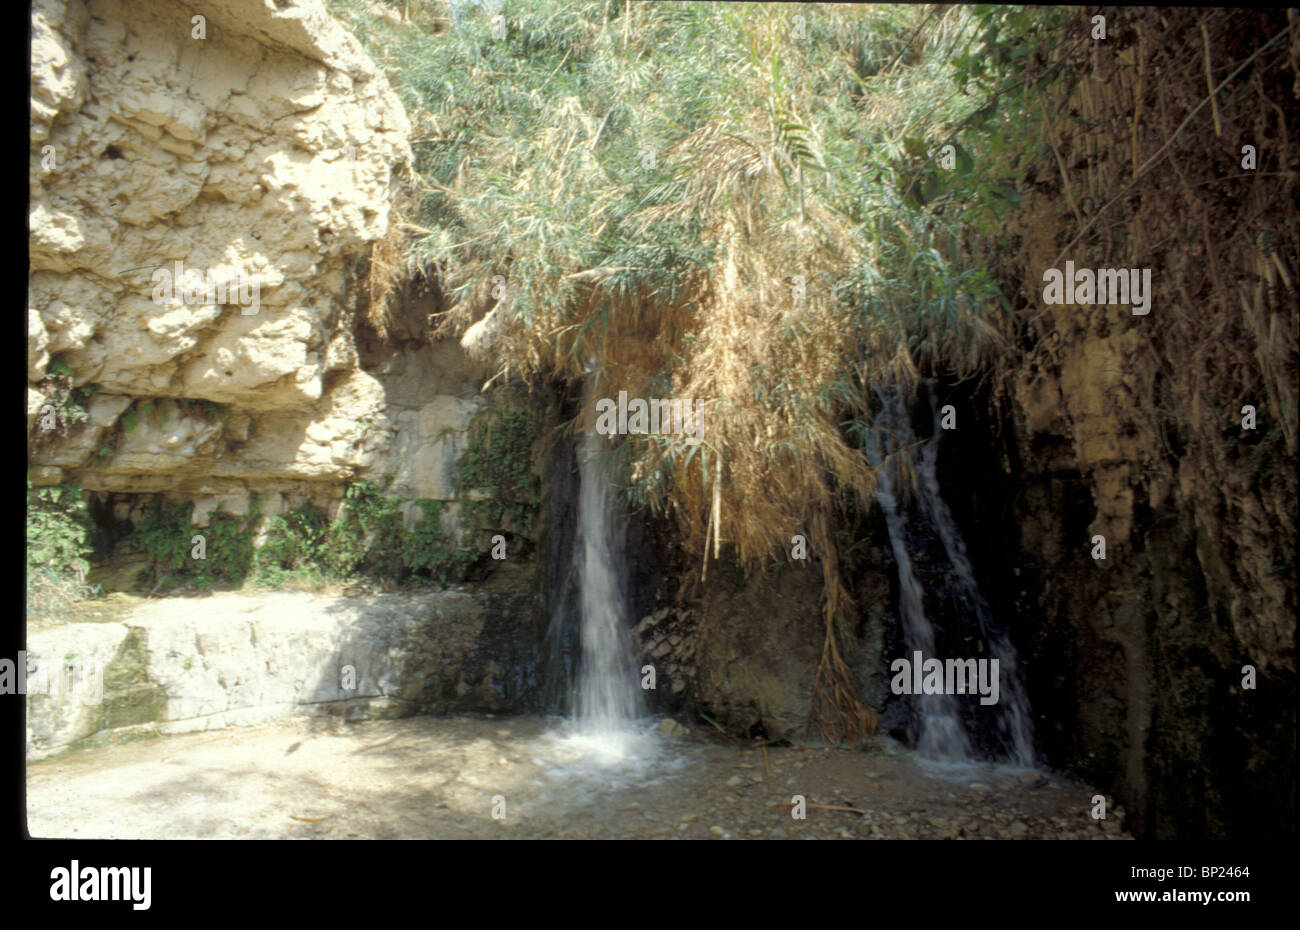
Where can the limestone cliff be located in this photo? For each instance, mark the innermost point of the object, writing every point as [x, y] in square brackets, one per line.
[257, 140]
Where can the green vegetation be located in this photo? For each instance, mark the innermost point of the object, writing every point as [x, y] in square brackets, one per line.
[291, 551]
[714, 202]
[498, 458]
[368, 539]
[168, 537]
[58, 528]
[104, 451]
[155, 415]
[69, 402]
[768, 209]
[427, 551]
[301, 548]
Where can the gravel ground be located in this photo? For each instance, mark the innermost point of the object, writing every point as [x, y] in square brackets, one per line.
[445, 778]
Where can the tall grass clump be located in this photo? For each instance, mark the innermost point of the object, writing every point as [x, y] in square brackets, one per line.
[747, 205]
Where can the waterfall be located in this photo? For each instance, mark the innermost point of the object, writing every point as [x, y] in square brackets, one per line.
[1014, 726]
[608, 699]
[607, 739]
[941, 730]
[940, 733]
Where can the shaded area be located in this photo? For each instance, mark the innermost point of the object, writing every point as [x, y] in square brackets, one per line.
[431, 778]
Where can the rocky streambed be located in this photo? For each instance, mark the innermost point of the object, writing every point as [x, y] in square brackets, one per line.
[505, 777]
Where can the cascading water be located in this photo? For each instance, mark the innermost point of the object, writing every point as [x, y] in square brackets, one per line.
[607, 732]
[941, 727]
[941, 735]
[1013, 723]
[608, 700]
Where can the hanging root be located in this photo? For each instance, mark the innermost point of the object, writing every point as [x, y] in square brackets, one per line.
[835, 705]
[384, 277]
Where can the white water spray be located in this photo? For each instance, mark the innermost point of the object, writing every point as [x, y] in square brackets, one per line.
[941, 735]
[608, 737]
[608, 699]
[1014, 723]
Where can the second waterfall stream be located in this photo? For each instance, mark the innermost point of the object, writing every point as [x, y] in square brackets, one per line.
[922, 529]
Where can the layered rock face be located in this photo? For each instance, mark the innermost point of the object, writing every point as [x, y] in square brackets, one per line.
[240, 660]
[257, 146]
